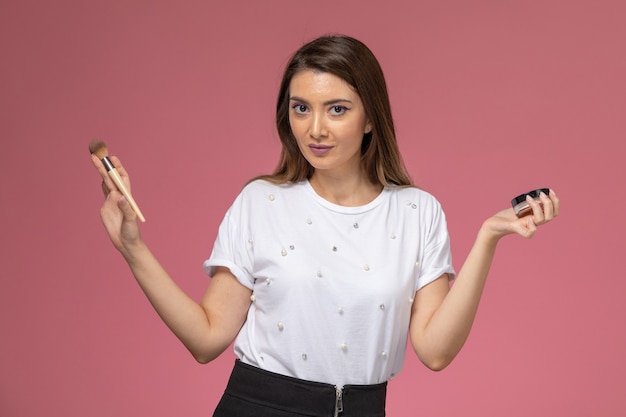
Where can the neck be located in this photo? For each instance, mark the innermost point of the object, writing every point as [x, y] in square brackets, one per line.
[345, 191]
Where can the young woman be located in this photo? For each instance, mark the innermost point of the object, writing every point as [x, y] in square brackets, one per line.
[323, 270]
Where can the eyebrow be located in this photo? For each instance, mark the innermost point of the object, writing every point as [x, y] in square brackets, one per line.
[326, 103]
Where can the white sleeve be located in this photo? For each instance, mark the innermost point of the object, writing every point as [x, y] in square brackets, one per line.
[232, 249]
[436, 258]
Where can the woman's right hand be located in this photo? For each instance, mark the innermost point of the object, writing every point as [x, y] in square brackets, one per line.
[206, 328]
[118, 217]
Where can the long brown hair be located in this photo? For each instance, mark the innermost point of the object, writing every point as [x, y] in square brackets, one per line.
[352, 61]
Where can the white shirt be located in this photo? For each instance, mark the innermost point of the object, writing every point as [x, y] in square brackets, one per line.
[332, 285]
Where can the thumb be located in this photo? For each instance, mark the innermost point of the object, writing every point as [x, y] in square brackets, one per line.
[528, 230]
[127, 210]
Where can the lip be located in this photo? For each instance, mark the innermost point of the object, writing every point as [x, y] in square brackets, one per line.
[320, 149]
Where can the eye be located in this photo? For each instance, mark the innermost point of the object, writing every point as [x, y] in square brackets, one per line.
[338, 110]
[299, 108]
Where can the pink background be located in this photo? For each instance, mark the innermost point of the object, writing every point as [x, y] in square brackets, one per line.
[491, 98]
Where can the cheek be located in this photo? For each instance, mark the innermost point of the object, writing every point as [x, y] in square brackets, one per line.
[296, 128]
[354, 134]
[298, 134]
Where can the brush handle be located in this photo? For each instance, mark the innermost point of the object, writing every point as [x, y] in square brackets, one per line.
[115, 176]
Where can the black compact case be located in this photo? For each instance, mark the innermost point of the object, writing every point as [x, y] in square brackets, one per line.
[521, 206]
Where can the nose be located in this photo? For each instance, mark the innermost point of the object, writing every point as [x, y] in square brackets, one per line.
[318, 130]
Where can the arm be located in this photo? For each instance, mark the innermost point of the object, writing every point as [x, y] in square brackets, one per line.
[442, 317]
[206, 328]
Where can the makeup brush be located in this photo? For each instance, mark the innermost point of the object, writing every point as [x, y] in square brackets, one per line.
[99, 149]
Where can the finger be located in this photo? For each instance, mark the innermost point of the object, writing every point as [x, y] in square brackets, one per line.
[537, 216]
[97, 163]
[556, 203]
[120, 170]
[112, 217]
[105, 189]
[548, 208]
[118, 165]
[107, 183]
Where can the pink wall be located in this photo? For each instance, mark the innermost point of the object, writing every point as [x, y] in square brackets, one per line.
[491, 98]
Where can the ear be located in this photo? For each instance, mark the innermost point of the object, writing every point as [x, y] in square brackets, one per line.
[368, 127]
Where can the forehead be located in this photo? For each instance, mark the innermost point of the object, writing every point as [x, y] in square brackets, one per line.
[312, 84]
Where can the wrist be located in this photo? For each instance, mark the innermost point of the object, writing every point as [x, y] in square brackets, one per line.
[131, 251]
[488, 235]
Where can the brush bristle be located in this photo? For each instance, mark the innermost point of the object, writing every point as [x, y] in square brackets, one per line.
[99, 148]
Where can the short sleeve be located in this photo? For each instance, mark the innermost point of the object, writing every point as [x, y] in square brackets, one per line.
[436, 257]
[231, 248]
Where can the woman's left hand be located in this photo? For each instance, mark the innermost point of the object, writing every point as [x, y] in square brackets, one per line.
[506, 222]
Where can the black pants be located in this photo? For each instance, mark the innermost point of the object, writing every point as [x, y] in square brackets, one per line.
[253, 392]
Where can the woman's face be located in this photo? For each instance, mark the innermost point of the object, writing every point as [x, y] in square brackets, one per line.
[328, 120]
